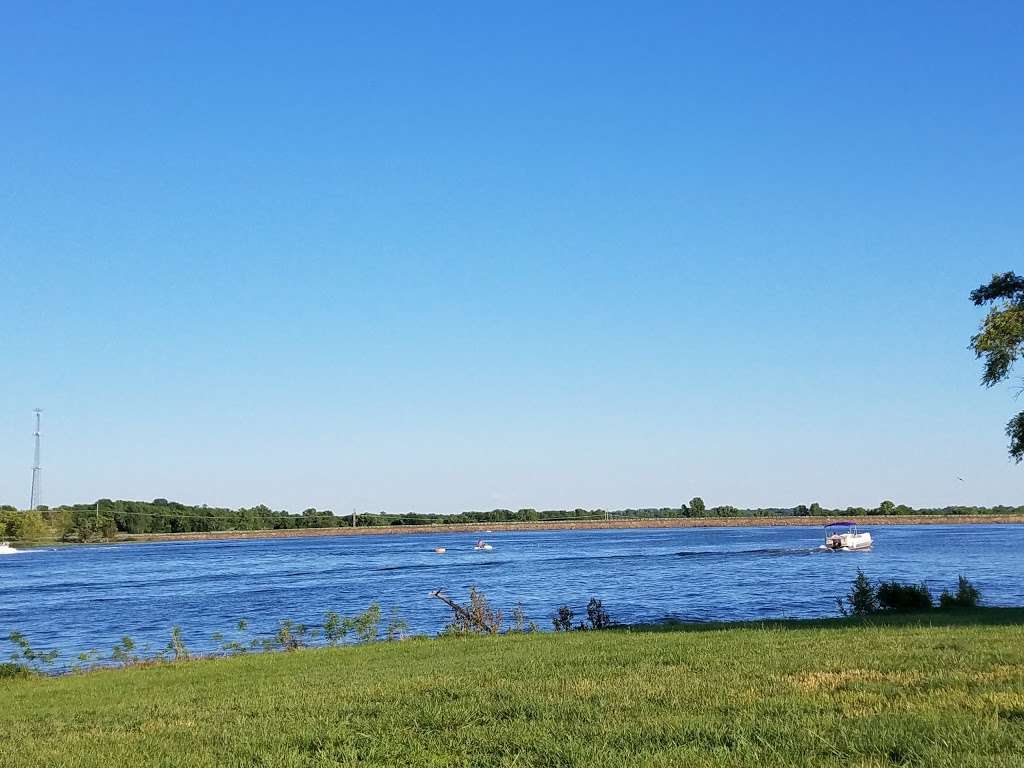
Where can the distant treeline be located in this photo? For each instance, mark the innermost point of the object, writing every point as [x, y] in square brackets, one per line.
[105, 519]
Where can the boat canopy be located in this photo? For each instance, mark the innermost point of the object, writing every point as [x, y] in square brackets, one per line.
[841, 522]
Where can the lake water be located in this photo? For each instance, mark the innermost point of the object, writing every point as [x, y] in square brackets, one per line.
[77, 598]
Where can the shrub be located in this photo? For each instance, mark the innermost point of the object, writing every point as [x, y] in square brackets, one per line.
[478, 618]
[335, 628]
[397, 627]
[290, 636]
[863, 599]
[894, 596]
[967, 596]
[562, 620]
[238, 644]
[520, 622]
[365, 626]
[124, 652]
[11, 671]
[597, 615]
[176, 645]
[30, 657]
[87, 659]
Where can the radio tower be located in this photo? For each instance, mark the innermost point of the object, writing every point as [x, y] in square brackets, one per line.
[37, 470]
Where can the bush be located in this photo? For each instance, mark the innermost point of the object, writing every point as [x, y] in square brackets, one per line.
[365, 626]
[11, 671]
[562, 620]
[124, 652]
[863, 599]
[397, 627]
[597, 615]
[967, 596]
[893, 596]
[27, 656]
[477, 618]
[520, 622]
[176, 645]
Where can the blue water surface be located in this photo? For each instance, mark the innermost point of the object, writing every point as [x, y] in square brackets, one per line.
[86, 597]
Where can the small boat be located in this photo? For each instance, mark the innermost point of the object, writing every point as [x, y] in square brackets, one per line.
[7, 549]
[440, 550]
[482, 545]
[845, 536]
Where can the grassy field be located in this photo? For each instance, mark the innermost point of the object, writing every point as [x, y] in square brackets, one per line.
[941, 690]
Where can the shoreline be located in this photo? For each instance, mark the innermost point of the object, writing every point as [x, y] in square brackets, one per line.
[571, 525]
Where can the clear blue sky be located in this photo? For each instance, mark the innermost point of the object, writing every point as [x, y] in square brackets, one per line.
[439, 257]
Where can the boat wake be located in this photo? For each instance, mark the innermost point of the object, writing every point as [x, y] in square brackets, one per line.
[759, 552]
[442, 563]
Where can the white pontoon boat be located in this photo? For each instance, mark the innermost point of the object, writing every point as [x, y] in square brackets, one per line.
[845, 536]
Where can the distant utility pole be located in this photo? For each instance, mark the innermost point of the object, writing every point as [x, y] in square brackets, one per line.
[37, 471]
[353, 517]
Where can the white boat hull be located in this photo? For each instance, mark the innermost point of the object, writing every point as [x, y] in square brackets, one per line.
[848, 542]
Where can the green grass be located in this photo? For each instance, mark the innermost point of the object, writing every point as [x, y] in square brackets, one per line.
[937, 690]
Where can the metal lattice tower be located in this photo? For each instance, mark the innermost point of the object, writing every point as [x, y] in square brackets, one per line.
[37, 471]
